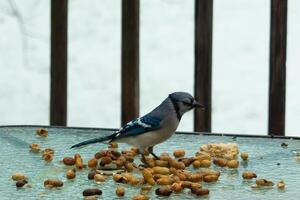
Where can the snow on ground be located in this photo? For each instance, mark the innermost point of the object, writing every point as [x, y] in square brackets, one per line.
[240, 62]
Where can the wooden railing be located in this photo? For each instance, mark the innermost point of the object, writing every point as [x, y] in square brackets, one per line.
[277, 67]
[59, 56]
[130, 60]
[203, 63]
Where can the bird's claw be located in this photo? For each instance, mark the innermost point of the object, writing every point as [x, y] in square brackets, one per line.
[143, 166]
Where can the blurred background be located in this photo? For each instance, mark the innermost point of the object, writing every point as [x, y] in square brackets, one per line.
[241, 32]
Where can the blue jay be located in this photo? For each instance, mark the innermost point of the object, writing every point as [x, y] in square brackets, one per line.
[153, 128]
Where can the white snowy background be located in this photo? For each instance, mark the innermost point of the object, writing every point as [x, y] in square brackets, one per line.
[240, 62]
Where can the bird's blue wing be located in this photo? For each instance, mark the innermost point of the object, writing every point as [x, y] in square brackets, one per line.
[139, 126]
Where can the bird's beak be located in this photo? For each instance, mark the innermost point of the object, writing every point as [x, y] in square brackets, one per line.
[198, 105]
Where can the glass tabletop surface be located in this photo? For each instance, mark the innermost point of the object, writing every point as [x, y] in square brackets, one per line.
[267, 158]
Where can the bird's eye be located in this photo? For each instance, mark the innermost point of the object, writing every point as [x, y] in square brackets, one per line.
[186, 103]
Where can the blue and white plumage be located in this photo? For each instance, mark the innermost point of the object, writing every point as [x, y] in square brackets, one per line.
[153, 128]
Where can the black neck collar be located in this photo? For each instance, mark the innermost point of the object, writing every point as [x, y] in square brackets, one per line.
[175, 105]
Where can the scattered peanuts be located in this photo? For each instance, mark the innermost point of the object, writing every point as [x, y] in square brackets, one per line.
[120, 191]
[105, 160]
[263, 182]
[90, 198]
[92, 163]
[35, 148]
[248, 175]
[42, 132]
[169, 174]
[48, 154]
[50, 183]
[119, 163]
[179, 153]
[115, 154]
[135, 150]
[91, 192]
[145, 189]
[135, 181]
[179, 174]
[127, 176]
[69, 161]
[164, 191]
[202, 156]
[78, 161]
[129, 166]
[196, 164]
[232, 164]
[99, 178]
[187, 161]
[140, 197]
[164, 181]
[91, 174]
[197, 177]
[221, 150]
[161, 163]
[18, 176]
[150, 162]
[21, 183]
[205, 163]
[186, 184]
[161, 170]
[118, 178]
[210, 172]
[165, 157]
[244, 155]
[71, 174]
[100, 154]
[176, 187]
[176, 164]
[129, 153]
[148, 177]
[48, 150]
[210, 178]
[220, 162]
[281, 185]
[196, 185]
[48, 157]
[199, 191]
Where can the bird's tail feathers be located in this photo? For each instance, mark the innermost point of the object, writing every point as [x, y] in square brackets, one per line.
[94, 140]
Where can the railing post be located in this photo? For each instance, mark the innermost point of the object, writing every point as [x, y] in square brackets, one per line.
[203, 63]
[58, 91]
[130, 60]
[277, 80]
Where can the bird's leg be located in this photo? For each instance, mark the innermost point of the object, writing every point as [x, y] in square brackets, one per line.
[150, 149]
[143, 158]
[144, 161]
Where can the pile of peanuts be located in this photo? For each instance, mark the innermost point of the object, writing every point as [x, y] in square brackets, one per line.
[47, 153]
[228, 151]
[170, 174]
[20, 179]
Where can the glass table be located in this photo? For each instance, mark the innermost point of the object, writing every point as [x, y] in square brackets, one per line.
[267, 158]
